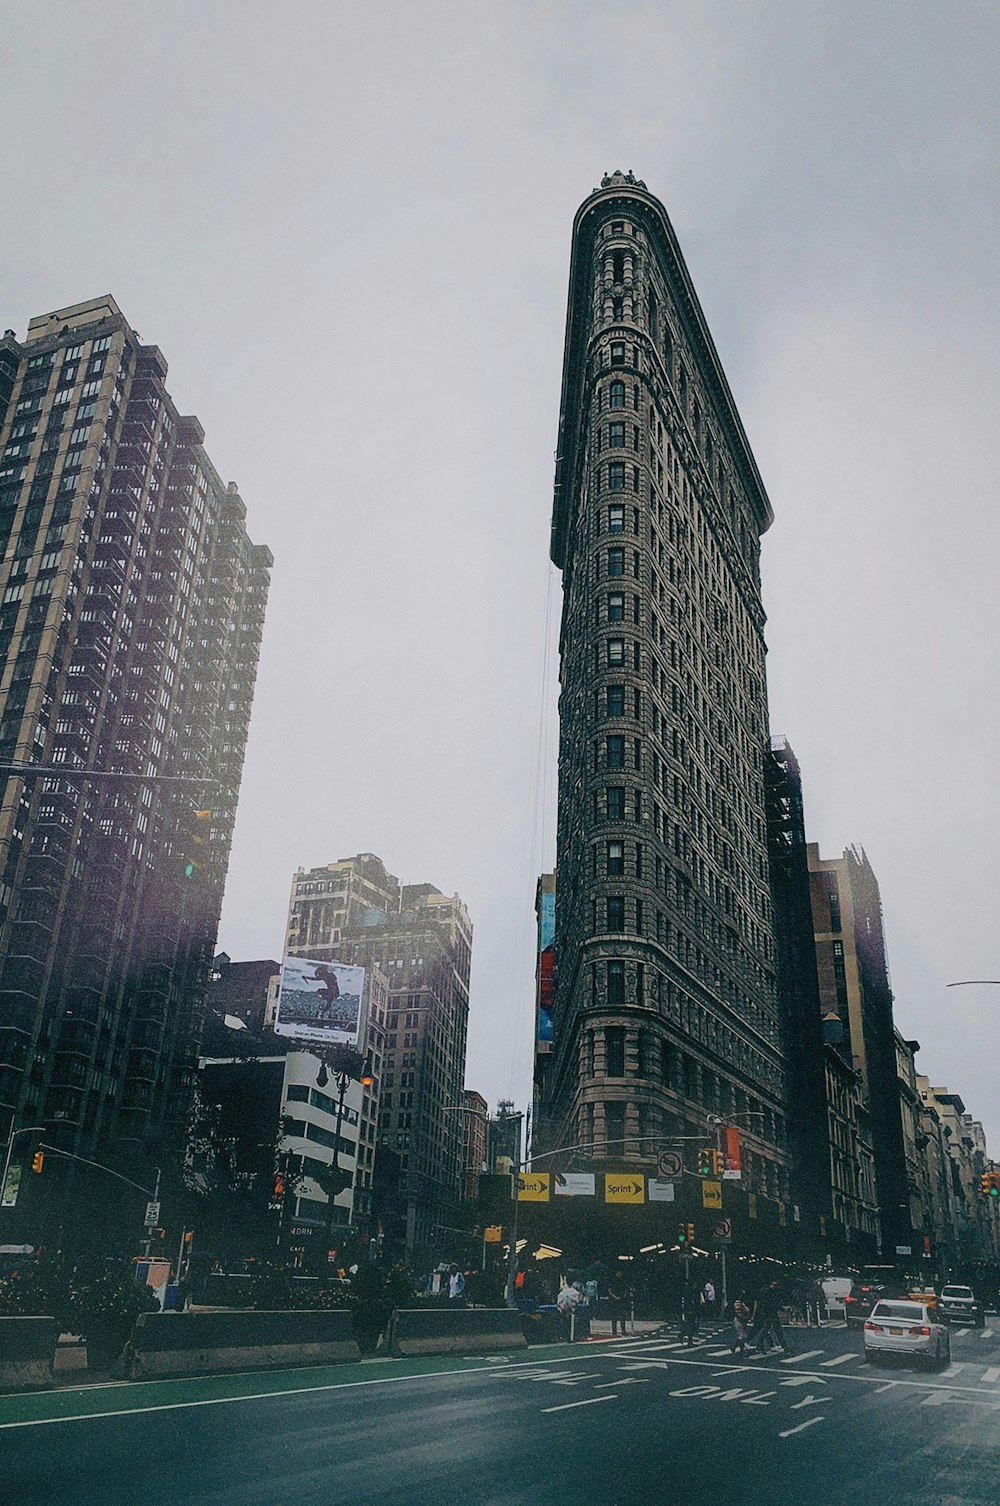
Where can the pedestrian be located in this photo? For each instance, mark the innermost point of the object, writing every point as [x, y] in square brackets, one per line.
[767, 1334]
[456, 1282]
[708, 1298]
[617, 1305]
[689, 1317]
[741, 1324]
[566, 1304]
[816, 1303]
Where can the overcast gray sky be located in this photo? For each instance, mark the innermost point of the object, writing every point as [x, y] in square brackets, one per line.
[348, 226]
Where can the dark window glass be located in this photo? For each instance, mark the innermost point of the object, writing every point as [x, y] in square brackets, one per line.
[616, 607]
[616, 436]
[616, 518]
[614, 1045]
[616, 913]
[616, 560]
[616, 652]
[617, 396]
[616, 859]
[616, 802]
[615, 752]
[616, 700]
[616, 983]
[616, 476]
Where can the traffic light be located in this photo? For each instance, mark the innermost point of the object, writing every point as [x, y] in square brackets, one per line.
[705, 1161]
[199, 840]
[717, 1163]
[682, 1234]
[690, 1233]
[37, 1161]
[989, 1183]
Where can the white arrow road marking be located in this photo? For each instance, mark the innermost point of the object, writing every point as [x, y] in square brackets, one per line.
[647, 1365]
[807, 1354]
[627, 1380]
[804, 1380]
[801, 1427]
[941, 1396]
[992, 1374]
[842, 1359]
[807, 1401]
[569, 1405]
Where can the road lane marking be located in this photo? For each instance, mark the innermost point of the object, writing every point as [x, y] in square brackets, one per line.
[807, 1401]
[807, 1354]
[992, 1374]
[960, 1331]
[806, 1380]
[626, 1380]
[801, 1427]
[987, 1333]
[887, 1387]
[953, 1369]
[714, 1353]
[842, 1359]
[591, 1401]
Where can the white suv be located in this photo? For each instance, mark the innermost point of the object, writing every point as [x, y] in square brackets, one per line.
[958, 1304]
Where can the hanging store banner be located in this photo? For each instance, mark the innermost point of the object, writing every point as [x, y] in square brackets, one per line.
[321, 1001]
[533, 1187]
[574, 1184]
[660, 1191]
[624, 1187]
[732, 1169]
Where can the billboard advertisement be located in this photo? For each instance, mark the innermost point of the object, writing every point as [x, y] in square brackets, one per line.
[546, 911]
[321, 1001]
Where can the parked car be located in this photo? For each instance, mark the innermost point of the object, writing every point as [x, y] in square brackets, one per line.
[958, 1304]
[910, 1328]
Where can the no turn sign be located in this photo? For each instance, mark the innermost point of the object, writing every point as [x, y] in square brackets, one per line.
[670, 1165]
[723, 1231]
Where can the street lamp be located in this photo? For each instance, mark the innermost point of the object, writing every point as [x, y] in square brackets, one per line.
[347, 1067]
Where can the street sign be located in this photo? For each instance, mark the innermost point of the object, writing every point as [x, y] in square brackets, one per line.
[624, 1187]
[660, 1191]
[711, 1194]
[152, 1214]
[533, 1187]
[904, 1249]
[670, 1165]
[723, 1232]
[11, 1187]
[492, 1234]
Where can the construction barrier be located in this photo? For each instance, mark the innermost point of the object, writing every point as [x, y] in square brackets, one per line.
[27, 1352]
[460, 1330]
[196, 1343]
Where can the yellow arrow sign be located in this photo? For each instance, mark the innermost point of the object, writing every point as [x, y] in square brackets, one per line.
[533, 1187]
[711, 1194]
[624, 1187]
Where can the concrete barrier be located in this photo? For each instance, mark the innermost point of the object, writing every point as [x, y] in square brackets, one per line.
[462, 1330]
[27, 1352]
[197, 1343]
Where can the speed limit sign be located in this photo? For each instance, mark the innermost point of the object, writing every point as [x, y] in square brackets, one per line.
[670, 1165]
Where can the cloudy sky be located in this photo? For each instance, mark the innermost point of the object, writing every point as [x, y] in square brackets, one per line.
[348, 229]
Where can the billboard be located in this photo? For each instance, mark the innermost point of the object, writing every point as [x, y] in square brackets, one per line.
[321, 1001]
[545, 907]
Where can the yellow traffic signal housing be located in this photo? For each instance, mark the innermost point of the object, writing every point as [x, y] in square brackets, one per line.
[199, 841]
[690, 1233]
[718, 1163]
[37, 1161]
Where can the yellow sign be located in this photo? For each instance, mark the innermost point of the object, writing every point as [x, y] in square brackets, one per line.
[491, 1236]
[624, 1187]
[752, 1204]
[711, 1194]
[533, 1187]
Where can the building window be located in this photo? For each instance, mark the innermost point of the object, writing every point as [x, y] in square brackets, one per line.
[616, 802]
[616, 557]
[614, 1049]
[616, 478]
[616, 859]
[615, 700]
[616, 436]
[618, 354]
[616, 652]
[617, 395]
[616, 607]
[616, 983]
[616, 913]
[615, 750]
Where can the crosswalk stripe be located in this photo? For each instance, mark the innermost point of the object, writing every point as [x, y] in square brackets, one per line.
[992, 1375]
[962, 1331]
[954, 1369]
[807, 1354]
[987, 1333]
[842, 1359]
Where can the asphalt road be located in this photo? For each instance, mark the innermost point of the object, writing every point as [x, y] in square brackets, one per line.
[609, 1423]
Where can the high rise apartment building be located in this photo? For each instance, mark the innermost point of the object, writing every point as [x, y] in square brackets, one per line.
[354, 911]
[131, 610]
[665, 1000]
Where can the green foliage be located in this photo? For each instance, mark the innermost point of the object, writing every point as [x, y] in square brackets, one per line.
[109, 1304]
